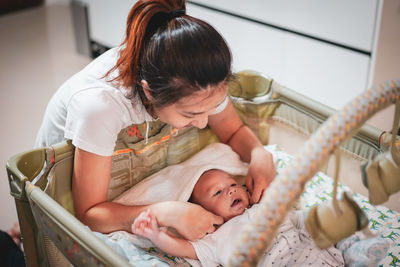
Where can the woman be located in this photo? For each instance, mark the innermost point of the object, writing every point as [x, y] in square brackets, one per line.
[170, 67]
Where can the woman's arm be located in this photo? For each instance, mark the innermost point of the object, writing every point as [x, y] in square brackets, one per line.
[146, 225]
[230, 129]
[91, 178]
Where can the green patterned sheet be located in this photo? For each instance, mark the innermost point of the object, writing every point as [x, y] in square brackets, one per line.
[382, 221]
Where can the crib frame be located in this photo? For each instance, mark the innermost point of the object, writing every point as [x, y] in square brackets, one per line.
[52, 236]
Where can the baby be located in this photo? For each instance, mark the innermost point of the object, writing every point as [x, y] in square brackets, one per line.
[219, 193]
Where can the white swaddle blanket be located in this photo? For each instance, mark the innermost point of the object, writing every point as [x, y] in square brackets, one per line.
[176, 182]
[173, 183]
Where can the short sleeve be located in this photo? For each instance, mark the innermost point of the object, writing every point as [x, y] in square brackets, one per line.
[217, 248]
[205, 250]
[93, 121]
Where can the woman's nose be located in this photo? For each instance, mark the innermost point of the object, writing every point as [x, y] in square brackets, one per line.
[200, 122]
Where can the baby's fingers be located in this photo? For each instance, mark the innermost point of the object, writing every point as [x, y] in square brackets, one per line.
[141, 221]
[152, 221]
[137, 228]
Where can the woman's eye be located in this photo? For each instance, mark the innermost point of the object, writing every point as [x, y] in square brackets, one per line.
[218, 192]
[188, 116]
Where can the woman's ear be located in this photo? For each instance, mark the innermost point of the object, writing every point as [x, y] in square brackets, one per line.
[146, 90]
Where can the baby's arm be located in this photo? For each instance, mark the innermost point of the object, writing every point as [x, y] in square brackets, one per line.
[146, 225]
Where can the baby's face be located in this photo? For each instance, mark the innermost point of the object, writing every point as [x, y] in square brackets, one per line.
[219, 193]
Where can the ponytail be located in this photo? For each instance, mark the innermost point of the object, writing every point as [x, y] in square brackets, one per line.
[175, 53]
[138, 20]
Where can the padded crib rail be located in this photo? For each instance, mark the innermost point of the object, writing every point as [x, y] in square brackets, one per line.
[24, 167]
[74, 239]
[259, 101]
[288, 185]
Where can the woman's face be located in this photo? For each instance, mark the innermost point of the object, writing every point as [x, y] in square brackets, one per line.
[193, 110]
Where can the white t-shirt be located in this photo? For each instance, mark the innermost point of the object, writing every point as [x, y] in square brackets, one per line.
[91, 110]
[291, 247]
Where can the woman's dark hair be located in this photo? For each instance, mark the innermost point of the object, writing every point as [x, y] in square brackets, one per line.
[175, 53]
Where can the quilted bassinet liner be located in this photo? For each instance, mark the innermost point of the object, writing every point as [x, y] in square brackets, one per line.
[263, 104]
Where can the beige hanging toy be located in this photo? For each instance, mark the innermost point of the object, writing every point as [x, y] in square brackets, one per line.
[382, 176]
[331, 222]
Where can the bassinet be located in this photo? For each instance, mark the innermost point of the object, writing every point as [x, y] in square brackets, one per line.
[53, 236]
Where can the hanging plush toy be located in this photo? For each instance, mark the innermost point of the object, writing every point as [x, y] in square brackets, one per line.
[382, 176]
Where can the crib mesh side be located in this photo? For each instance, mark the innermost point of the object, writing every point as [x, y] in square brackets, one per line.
[49, 231]
[305, 124]
[60, 232]
[54, 256]
[303, 115]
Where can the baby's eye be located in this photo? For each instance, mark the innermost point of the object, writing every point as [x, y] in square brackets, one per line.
[233, 184]
[218, 192]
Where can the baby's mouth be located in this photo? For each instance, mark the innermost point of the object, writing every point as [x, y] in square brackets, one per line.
[235, 202]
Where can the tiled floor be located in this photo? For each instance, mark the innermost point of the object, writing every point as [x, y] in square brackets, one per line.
[37, 53]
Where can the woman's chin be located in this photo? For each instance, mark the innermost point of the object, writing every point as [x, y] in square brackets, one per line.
[183, 127]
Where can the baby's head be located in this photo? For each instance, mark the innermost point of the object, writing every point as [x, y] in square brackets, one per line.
[218, 192]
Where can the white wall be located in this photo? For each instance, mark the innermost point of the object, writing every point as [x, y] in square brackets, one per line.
[37, 55]
[326, 72]
[387, 58]
[51, 2]
[353, 27]
[107, 21]
[321, 70]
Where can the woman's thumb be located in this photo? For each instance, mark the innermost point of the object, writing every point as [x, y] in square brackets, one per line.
[218, 220]
[249, 183]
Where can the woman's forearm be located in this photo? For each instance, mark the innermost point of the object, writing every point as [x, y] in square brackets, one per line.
[91, 179]
[243, 142]
[110, 216]
[230, 130]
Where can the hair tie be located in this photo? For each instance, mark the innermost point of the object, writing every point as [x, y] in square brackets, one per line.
[176, 13]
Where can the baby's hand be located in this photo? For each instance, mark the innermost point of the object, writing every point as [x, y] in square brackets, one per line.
[146, 225]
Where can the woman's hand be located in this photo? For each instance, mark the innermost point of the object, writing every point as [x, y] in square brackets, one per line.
[190, 220]
[230, 130]
[261, 173]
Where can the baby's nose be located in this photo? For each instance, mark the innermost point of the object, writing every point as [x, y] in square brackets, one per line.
[232, 190]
